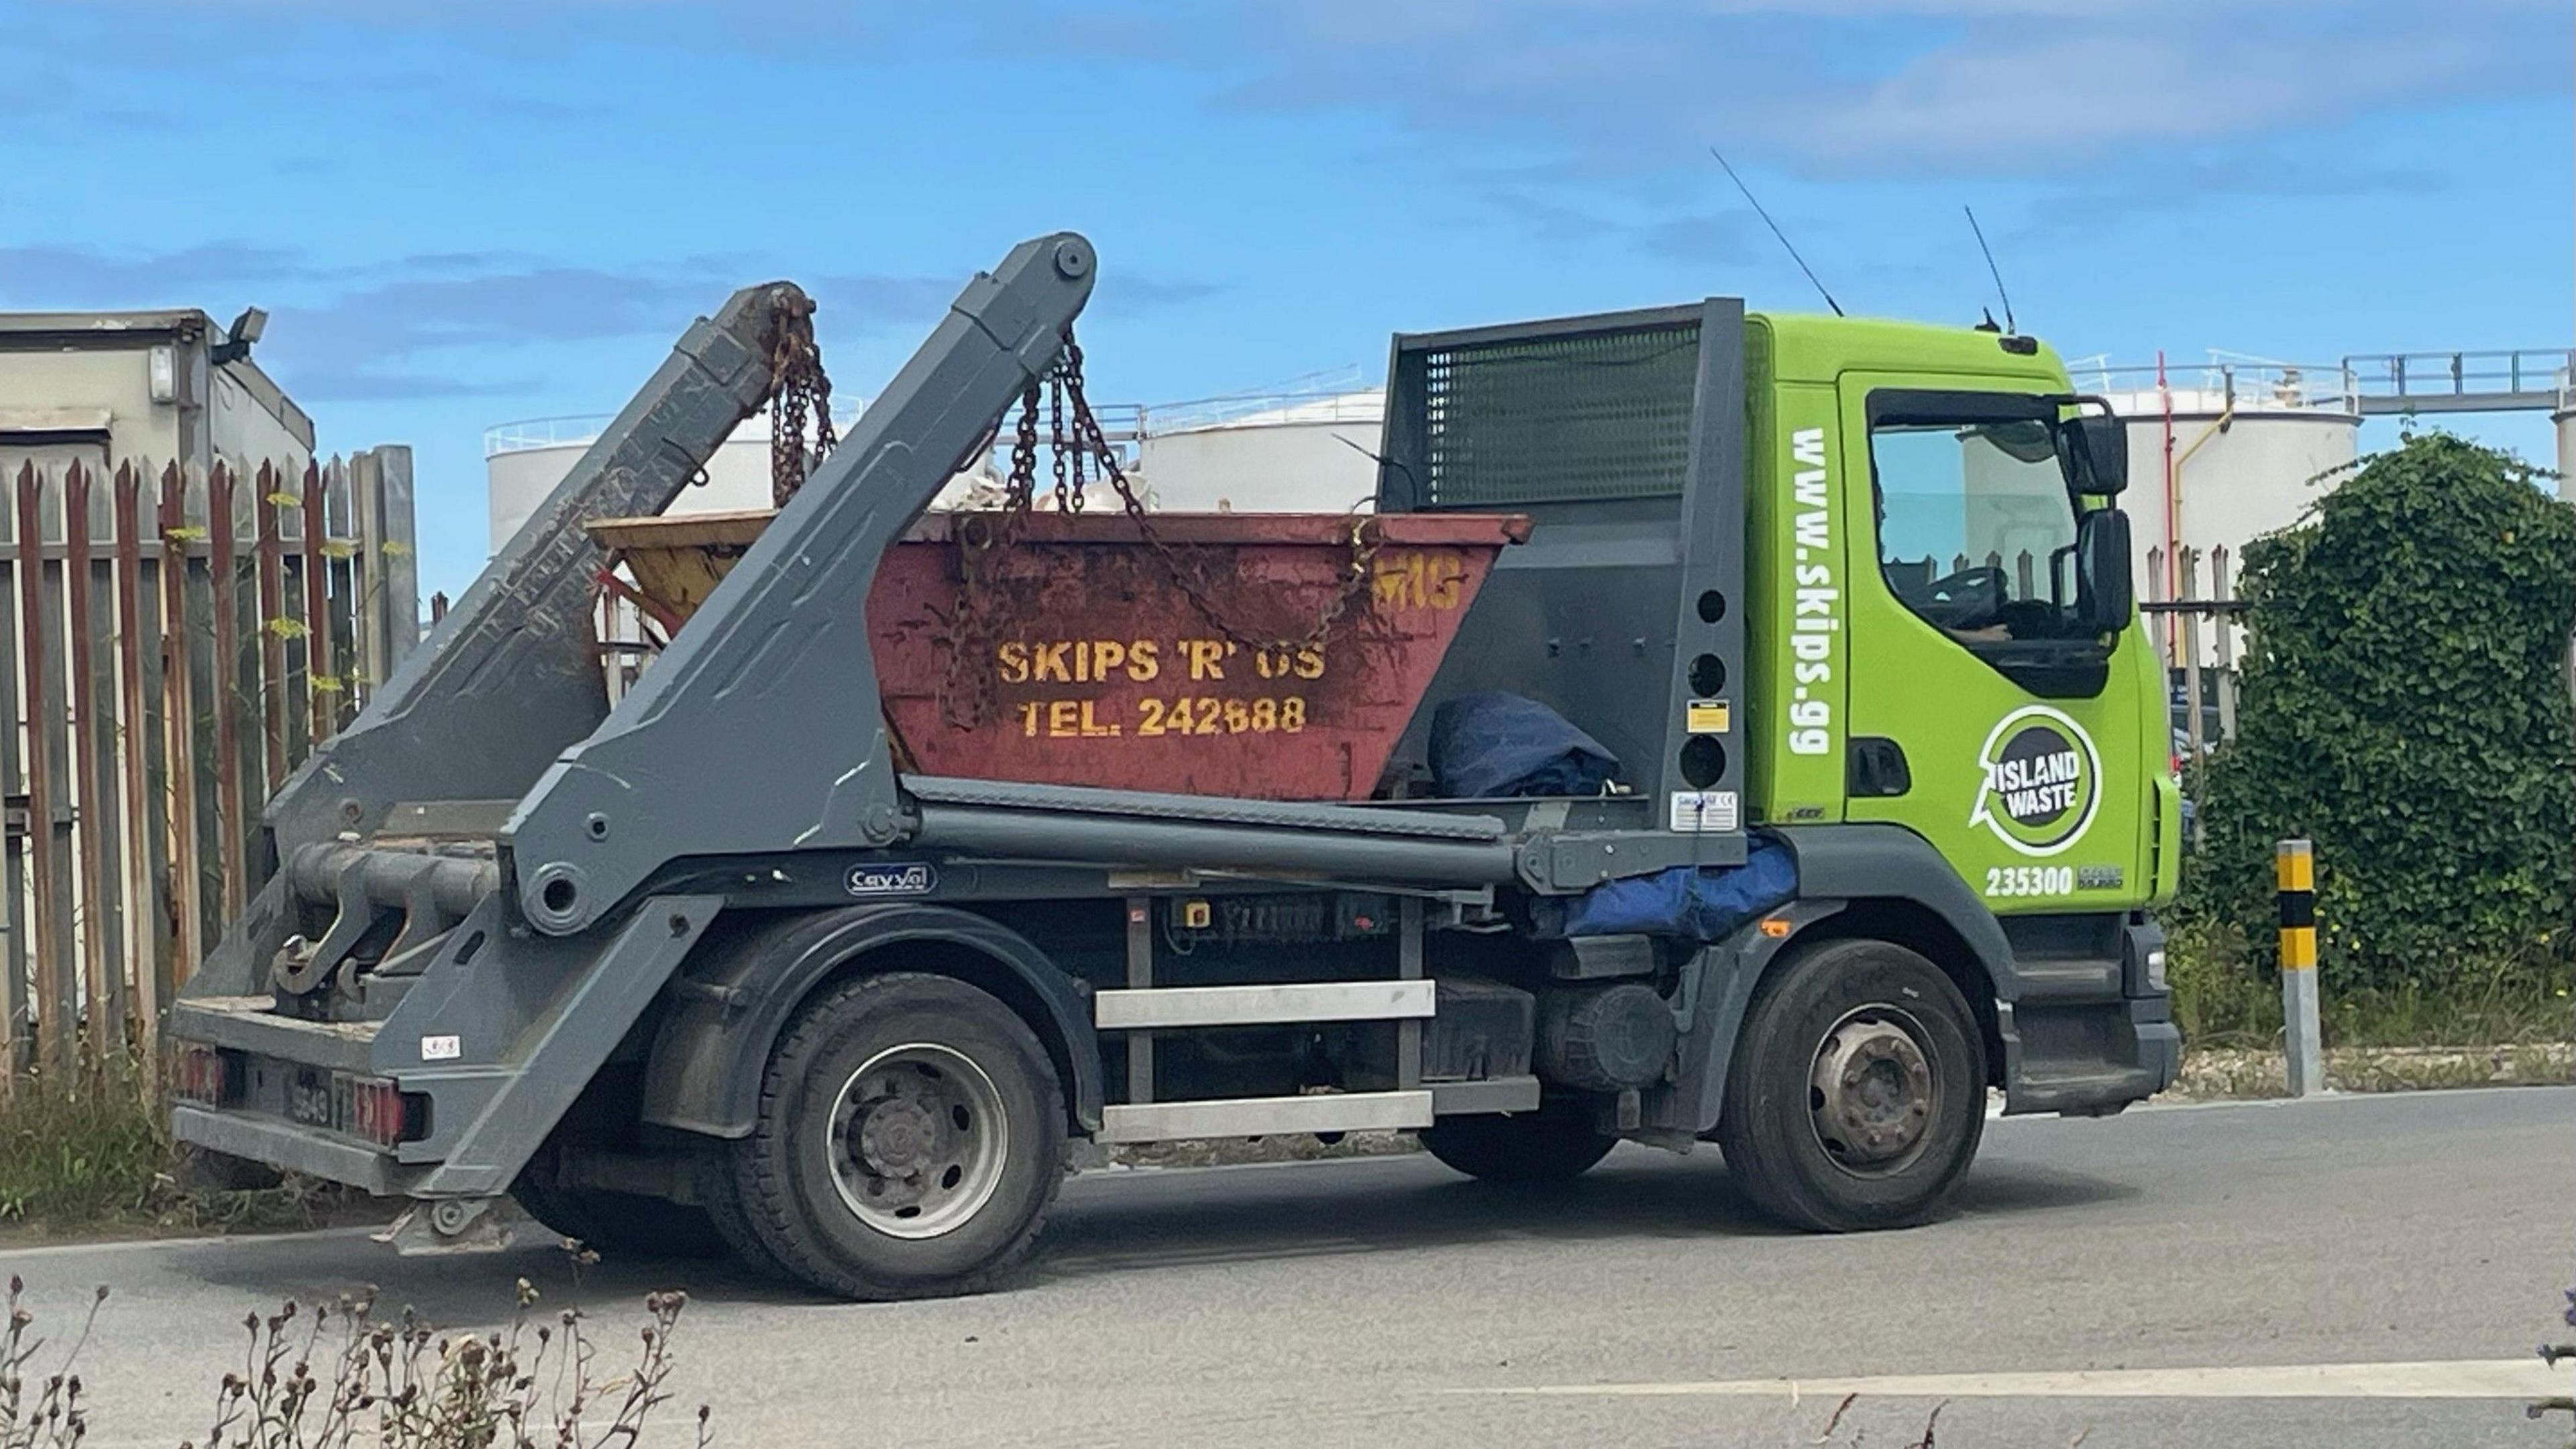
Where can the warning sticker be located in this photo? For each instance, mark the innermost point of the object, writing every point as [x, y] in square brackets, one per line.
[1700, 811]
[1707, 716]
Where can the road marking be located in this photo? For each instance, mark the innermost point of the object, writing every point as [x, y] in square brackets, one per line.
[2508, 1378]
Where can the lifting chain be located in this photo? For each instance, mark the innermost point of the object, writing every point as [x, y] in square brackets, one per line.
[800, 395]
[1081, 449]
[983, 538]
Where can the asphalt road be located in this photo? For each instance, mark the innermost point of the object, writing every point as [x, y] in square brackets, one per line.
[2346, 1272]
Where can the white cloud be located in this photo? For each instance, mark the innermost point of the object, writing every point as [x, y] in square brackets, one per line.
[2007, 87]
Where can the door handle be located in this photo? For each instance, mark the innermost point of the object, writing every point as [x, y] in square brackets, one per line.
[1875, 768]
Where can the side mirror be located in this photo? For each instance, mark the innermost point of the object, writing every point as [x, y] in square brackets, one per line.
[2105, 591]
[2094, 451]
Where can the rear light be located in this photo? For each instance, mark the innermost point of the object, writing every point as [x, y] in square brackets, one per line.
[378, 1111]
[201, 1075]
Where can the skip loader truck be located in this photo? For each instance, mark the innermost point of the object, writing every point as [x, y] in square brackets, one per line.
[1725, 728]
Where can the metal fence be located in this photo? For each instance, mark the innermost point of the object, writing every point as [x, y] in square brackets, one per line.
[176, 644]
[2199, 631]
[2499, 379]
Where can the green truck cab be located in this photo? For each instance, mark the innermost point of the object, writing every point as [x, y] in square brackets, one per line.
[1921, 569]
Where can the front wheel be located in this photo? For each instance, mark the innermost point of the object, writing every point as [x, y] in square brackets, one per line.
[909, 1141]
[1857, 1093]
[1553, 1144]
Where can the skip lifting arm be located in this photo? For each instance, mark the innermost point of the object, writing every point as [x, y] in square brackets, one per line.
[761, 728]
[512, 676]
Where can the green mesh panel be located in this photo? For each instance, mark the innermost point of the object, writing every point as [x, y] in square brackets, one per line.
[1590, 415]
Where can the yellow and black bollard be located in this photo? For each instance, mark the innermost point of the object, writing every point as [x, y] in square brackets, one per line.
[2294, 874]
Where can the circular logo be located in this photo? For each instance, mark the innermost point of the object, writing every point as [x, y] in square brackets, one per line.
[2042, 781]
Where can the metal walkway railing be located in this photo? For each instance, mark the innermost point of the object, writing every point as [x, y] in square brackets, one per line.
[2529, 378]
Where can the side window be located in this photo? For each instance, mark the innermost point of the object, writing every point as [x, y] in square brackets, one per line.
[1976, 531]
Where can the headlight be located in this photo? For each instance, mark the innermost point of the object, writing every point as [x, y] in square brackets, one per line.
[2156, 969]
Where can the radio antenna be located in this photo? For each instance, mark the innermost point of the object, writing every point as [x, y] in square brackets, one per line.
[1775, 231]
[1992, 270]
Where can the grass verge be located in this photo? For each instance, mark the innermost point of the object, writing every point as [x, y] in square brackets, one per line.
[2224, 1002]
[2501, 1024]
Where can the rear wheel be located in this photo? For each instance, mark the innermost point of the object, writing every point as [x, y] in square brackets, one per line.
[1557, 1143]
[909, 1141]
[720, 1191]
[1857, 1094]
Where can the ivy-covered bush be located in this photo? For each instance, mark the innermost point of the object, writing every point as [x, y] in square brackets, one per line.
[2406, 707]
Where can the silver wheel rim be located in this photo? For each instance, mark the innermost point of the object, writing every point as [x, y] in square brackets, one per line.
[1872, 1093]
[917, 1140]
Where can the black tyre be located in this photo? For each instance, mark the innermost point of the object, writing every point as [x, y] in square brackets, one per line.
[1557, 1143]
[1857, 1093]
[910, 1138]
[720, 1193]
[613, 1223]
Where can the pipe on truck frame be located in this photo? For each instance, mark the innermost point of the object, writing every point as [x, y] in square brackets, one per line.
[983, 830]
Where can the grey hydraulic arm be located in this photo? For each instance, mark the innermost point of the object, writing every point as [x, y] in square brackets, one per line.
[512, 675]
[760, 728]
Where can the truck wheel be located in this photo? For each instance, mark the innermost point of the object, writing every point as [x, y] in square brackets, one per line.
[721, 1193]
[909, 1141]
[1557, 1143]
[1857, 1093]
[611, 1222]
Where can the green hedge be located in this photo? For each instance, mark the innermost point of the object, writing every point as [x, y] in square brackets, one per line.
[2405, 707]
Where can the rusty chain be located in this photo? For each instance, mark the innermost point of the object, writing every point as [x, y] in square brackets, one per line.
[800, 396]
[1079, 452]
[1089, 440]
[983, 538]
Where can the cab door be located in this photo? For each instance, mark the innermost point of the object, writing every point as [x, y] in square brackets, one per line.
[1984, 713]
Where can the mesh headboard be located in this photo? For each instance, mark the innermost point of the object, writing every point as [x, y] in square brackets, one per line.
[1573, 416]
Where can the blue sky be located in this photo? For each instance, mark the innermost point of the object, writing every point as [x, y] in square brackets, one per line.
[470, 212]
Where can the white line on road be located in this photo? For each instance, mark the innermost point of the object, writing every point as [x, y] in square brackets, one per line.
[2511, 1378]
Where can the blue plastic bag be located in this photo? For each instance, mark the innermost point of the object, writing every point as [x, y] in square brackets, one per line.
[1695, 903]
[1495, 744]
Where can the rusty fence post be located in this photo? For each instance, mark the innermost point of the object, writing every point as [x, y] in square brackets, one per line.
[143, 941]
[17, 1044]
[233, 831]
[319, 686]
[179, 724]
[274, 627]
[50, 1004]
[94, 919]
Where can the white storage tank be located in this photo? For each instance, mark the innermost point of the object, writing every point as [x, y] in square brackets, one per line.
[2220, 455]
[1287, 453]
[523, 462]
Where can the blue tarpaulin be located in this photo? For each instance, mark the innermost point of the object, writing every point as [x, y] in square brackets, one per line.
[1696, 903]
[1486, 745]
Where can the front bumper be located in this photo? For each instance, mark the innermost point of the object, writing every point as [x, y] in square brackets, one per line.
[2090, 1060]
